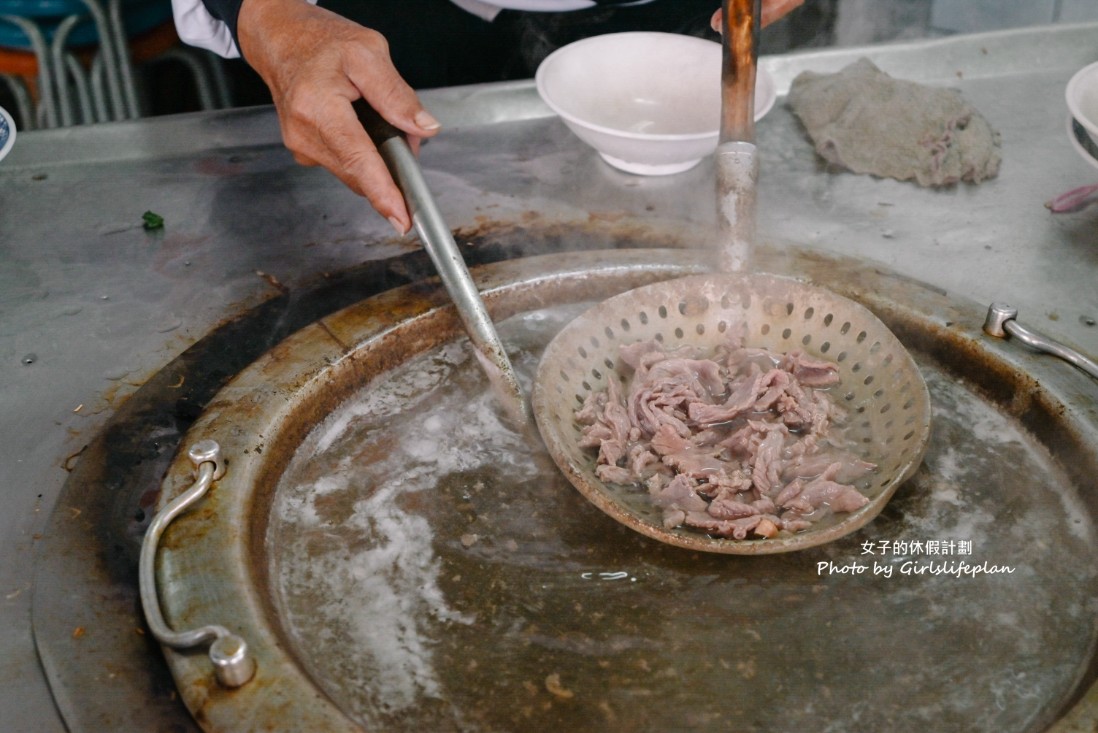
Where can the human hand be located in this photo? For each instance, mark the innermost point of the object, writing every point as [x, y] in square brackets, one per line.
[316, 64]
[772, 10]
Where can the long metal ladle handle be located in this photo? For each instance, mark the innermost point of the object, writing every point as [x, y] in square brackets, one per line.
[443, 250]
[737, 157]
[233, 663]
[1002, 321]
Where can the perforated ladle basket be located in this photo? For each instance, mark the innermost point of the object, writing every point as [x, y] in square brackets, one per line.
[881, 388]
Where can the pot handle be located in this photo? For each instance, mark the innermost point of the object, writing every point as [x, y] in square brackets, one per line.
[233, 663]
[1002, 321]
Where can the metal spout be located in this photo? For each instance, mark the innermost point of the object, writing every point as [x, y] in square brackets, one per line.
[737, 158]
[737, 178]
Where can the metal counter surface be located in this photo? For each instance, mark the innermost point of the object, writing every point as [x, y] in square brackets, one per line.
[91, 304]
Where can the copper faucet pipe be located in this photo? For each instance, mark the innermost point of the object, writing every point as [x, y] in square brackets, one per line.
[741, 39]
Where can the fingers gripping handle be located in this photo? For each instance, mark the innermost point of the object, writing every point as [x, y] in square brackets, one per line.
[377, 127]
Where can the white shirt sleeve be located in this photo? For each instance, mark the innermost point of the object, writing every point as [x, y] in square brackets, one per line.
[196, 27]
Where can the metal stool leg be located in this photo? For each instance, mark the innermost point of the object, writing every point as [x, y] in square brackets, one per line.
[79, 78]
[47, 102]
[121, 44]
[97, 74]
[202, 83]
[66, 113]
[24, 106]
[119, 104]
[221, 82]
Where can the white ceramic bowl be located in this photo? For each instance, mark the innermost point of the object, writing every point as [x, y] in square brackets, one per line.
[1083, 143]
[649, 103]
[1082, 98]
[7, 132]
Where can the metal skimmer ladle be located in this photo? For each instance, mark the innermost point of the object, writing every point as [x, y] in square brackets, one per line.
[440, 245]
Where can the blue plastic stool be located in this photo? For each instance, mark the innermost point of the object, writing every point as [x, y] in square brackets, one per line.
[82, 50]
[138, 16]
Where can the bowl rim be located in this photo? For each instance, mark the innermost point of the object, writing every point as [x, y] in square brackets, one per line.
[1076, 143]
[7, 141]
[1071, 94]
[540, 84]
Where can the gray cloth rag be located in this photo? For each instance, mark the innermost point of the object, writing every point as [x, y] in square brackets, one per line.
[865, 121]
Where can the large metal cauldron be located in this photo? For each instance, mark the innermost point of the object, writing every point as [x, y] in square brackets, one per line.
[381, 587]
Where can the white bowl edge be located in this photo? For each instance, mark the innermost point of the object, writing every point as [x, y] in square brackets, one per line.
[1084, 81]
[7, 142]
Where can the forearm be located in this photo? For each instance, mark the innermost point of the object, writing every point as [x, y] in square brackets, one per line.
[210, 24]
[272, 32]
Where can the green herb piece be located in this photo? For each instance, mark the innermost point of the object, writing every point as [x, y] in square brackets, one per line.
[151, 221]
